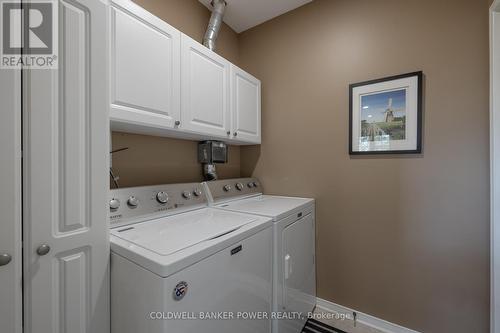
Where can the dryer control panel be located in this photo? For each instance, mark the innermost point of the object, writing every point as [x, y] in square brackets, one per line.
[136, 204]
[228, 189]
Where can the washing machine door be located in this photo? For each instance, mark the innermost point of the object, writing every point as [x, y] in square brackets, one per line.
[299, 269]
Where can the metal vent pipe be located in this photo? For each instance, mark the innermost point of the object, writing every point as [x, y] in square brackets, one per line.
[219, 6]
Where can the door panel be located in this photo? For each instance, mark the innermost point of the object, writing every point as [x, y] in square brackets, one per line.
[72, 276]
[73, 130]
[10, 201]
[204, 89]
[245, 105]
[66, 178]
[145, 53]
[299, 265]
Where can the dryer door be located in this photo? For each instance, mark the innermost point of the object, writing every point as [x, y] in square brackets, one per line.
[299, 269]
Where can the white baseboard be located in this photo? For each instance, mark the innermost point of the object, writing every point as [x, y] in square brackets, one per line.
[363, 318]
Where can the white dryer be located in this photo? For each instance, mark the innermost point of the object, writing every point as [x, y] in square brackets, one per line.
[294, 269]
[178, 266]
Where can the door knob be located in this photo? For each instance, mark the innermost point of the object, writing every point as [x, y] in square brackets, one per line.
[43, 250]
[5, 258]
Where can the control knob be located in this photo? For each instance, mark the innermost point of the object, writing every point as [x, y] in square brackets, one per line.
[250, 185]
[114, 204]
[239, 186]
[162, 197]
[186, 195]
[132, 202]
[227, 188]
[197, 192]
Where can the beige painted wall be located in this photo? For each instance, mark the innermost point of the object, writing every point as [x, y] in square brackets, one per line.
[154, 160]
[403, 238]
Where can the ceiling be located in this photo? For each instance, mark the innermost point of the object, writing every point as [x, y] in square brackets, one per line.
[244, 14]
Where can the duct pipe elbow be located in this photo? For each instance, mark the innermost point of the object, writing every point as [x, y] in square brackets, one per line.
[215, 23]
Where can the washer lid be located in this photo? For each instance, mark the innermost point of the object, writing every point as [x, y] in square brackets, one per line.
[168, 235]
[276, 207]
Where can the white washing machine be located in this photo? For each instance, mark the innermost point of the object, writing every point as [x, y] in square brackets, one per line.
[178, 266]
[294, 269]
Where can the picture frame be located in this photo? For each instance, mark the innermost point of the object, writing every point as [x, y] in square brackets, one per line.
[385, 115]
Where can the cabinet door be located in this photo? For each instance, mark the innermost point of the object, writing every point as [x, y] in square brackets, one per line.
[145, 67]
[66, 179]
[245, 106]
[204, 89]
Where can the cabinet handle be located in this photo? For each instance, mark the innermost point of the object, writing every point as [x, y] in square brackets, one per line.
[177, 123]
[228, 132]
[235, 133]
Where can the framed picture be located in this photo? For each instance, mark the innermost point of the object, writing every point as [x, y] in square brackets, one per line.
[385, 115]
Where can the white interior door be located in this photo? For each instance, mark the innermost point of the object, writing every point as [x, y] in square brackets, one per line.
[145, 67]
[245, 106]
[66, 142]
[10, 202]
[204, 90]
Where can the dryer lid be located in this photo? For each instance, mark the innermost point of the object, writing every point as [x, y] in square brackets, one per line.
[276, 207]
[165, 236]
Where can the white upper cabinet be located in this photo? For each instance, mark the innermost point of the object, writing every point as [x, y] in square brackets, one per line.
[245, 106]
[145, 67]
[167, 84]
[204, 90]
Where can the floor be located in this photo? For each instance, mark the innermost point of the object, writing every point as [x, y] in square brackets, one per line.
[344, 324]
